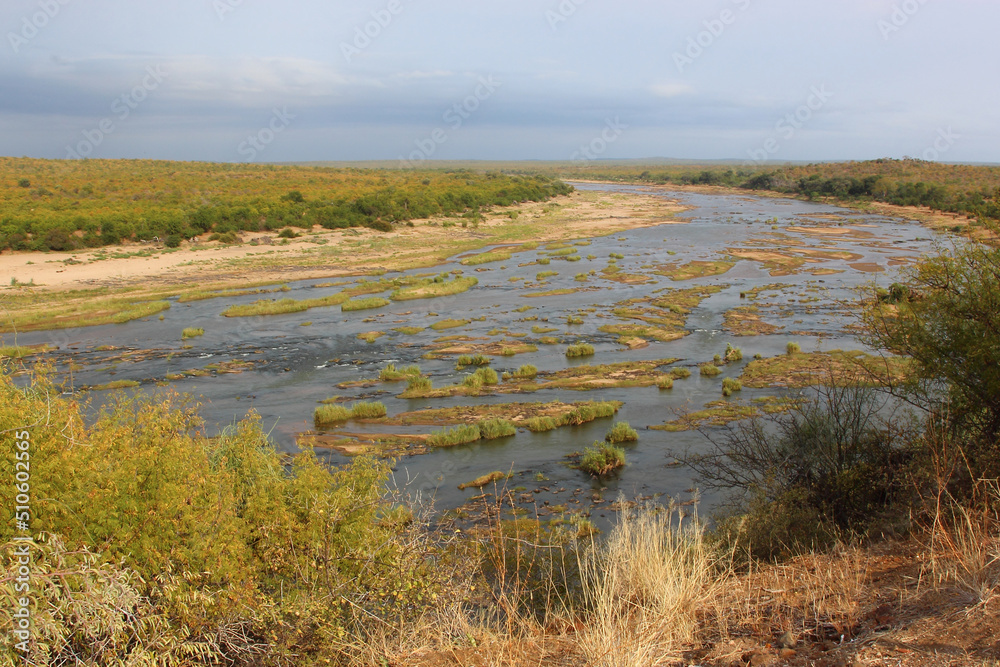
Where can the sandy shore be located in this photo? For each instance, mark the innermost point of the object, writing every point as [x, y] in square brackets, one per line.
[262, 257]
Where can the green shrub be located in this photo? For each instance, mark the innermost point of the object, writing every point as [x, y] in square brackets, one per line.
[491, 429]
[459, 435]
[732, 354]
[327, 415]
[666, 382]
[366, 410]
[580, 350]
[542, 275]
[621, 432]
[418, 384]
[192, 332]
[792, 348]
[482, 377]
[573, 319]
[730, 386]
[602, 459]
[680, 373]
[541, 424]
[172, 241]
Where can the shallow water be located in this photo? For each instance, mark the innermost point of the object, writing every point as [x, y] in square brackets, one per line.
[295, 366]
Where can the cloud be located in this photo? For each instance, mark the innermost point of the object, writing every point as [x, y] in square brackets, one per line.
[670, 89]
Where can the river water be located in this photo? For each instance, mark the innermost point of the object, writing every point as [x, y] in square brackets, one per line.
[293, 367]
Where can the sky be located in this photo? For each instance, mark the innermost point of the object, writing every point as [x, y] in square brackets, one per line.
[761, 81]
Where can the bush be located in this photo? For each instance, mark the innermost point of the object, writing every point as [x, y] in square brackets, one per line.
[492, 429]
[681, 373]
[365, 410]
[580, 350]
[621, 432]
[666, 382]
[482, 377]
[364, 304]
[192, 332]
[602, 459]
[792, 348]
[730, 386]
[459, 435]
[391, 374]
[732, 354]
[831, 462]
[172, 241]
[475, 360]
[288, 233]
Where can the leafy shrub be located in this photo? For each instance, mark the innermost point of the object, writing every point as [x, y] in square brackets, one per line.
[793, 348]
[666, 382]
[482, 377]
[621, 432]
[732, 354]
[580, 350]
[681, 373]
[192, 332]
[526, 372]
[172, 241]
[710, 370]
[602, 459]
[472, 360]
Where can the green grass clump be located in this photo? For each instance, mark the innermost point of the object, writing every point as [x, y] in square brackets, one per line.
[793, 348]
[364, 304]
[581, 278]
[616, 255]
[602, 459]
[732, 354]
[542, 275]
[486, 257]
[681, 373]
[433, 288]
[730, 386]
[408, 331]
[140, 310]
[580, 350]
[117, 384]
[541, 424]
[526, 372]
[449, 324]
[418, 384]
[328, 415]
[365, 410]
[480, 482]
[472, 360]
[192, 332]
[710, 370]
[459, 435]
[492, 429]
[540, 330]
[588, 412]
[621, 432]
[573, 319]
[563, 252]
[484, 377]
[391, 374]
[544, 261]
[666, 382]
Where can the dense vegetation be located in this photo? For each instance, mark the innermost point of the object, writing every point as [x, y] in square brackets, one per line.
[65, 205]
[973, 191]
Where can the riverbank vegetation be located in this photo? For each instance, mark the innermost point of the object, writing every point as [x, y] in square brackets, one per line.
[66, 205]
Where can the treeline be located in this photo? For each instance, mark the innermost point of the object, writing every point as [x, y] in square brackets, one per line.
[967, 190]
[66, 205]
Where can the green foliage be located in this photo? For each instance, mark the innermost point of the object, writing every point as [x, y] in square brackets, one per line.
[192, 332]
[732, 354]
[193, 198]
[482, 377]
[492, 429]
[666, 382]
[472, 360]
[621, 432]
[681, 373]
[158, 537]
[602, 459]
[710, 370]
[580, 350]
[540, 424]
[367, 410]
[526, 372]
[418, 384]
[792, 348]
[458, 435]
[390, 374]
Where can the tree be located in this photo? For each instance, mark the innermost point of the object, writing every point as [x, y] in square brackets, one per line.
[950, 325]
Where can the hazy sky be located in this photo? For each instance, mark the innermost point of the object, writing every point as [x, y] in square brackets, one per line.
[262, 80]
